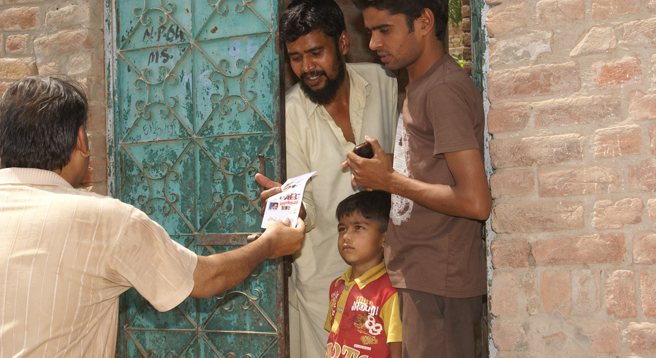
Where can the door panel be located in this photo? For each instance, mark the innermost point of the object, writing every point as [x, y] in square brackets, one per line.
[196, 113]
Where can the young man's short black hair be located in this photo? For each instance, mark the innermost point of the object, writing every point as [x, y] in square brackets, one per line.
[412, 9]
[304, 16]
[39, 121]
[373, 205]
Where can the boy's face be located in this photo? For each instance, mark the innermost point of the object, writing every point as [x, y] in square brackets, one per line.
[360, 242]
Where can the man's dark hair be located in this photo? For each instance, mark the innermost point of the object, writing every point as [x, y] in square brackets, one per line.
[304, 16]
[412, 9]
[39, 121]
[373, 205]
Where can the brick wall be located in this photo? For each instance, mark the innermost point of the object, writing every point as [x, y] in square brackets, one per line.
[60, 38]
[572, 91]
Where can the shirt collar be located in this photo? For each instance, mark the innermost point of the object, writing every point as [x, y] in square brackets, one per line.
[18, 176]
[358, 83]
[371, 275]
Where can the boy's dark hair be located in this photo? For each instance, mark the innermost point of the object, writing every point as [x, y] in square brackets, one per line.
[39, 121]
[412, 9]
[373, 205]
[304, 16]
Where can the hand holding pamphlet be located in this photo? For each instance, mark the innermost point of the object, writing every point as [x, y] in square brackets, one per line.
[288, 202]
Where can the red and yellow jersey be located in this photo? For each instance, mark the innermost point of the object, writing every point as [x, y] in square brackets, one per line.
[363, 316]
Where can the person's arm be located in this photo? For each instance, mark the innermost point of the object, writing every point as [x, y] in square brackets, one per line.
[395, 349]
[218, 273]
[469, 197]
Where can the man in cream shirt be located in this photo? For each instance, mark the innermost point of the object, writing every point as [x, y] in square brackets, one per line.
[328, 112]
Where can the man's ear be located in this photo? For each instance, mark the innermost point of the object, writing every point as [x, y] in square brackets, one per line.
[425, 23]
[82, 144]
[344, 43]
[384, 238]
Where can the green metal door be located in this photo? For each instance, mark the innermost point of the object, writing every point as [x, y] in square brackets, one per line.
[195, 88]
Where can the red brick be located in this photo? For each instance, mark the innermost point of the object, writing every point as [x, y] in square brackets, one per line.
[586, 298]
[19, 18]
[531, 81]
[605, 337]
[643, 106]
[532, 292]
[640, 33]
[523, 152]
[651, 206]
[621, 294]
[643, 176]
[72, 15]
[98, 143]
[574, 181]
[504, 18]
[17, 44]
[512, 183]
[577, 250]
[3, 87]
[617, 141]
[604, 9]
[553, 12]
[609, 214]
[641, 337]
[507, 335]
[509, 253]
[621, 72]
[508, 117]
[597, 40]
[537, 216]
[524, 47]
[506, 289]
[16, 68]
[652, 138]
[556, 292]
[651, 4]
[62, 42]
[576, 111]
[648, 292]
[644, 248]
[97, 172]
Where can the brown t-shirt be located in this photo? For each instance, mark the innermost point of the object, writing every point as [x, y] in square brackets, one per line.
[425, 250]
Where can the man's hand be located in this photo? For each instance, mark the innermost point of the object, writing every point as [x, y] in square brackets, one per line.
[284, 240]
[220, 272]
[370, 174]
[272, 188]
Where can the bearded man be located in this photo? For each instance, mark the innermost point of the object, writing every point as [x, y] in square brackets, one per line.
[330, 110]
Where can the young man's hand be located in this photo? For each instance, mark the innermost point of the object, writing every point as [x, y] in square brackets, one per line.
[370, 174]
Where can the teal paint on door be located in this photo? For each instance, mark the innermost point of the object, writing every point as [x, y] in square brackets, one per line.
[196, 95]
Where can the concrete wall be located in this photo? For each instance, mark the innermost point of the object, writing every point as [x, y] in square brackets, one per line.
[572, 89]
[60, 38]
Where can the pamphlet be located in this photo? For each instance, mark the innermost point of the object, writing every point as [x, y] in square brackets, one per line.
[288, 202]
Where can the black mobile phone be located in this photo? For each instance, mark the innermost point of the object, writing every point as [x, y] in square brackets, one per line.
[364, 150]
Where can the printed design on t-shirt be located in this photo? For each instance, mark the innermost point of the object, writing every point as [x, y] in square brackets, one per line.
[333, 302]
[401, 207]
[365, 322]
[334, 350]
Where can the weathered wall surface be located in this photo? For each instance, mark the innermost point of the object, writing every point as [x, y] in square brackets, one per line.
[572, 88]
[60, 38]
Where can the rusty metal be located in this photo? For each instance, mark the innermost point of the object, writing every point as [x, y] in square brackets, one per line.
[196, 113]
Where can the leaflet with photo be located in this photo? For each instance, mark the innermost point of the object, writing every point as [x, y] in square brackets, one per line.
[288, 202]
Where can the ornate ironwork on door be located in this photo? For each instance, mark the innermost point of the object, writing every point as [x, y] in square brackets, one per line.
[196, 113]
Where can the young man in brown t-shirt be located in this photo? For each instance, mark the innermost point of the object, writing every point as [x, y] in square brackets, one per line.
[434, 253]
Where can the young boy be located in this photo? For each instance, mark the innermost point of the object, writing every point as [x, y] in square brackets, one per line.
[363, 320]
